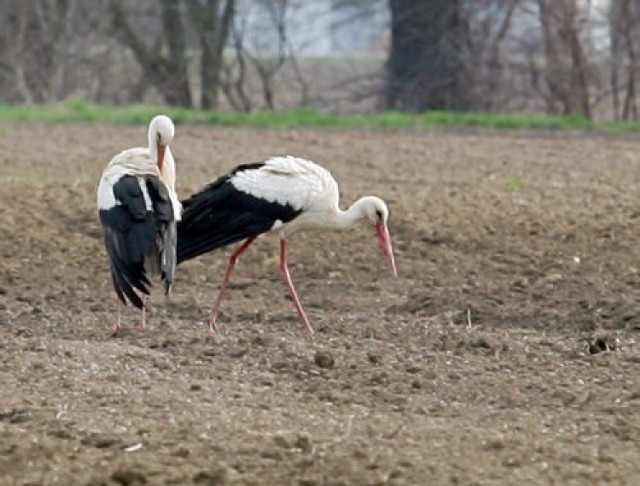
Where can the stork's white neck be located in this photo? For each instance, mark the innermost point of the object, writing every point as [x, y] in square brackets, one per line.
[168, 171]
[153, 142]
[346, 219]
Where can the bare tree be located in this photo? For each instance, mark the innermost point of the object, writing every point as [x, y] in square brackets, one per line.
[164, 63]
[488, 58]
[567, 71]
[34, 37]
[425, 67]
[263, 59]
[489, 55]
[624, 57]
[213, 20]
[234, 76]
[267, 63]
[17, 59]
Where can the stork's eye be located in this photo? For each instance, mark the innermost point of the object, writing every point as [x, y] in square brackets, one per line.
[158, 137]
[379, 215]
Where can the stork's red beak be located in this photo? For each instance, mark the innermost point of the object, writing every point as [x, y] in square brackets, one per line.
[161, 149]
[385, 241]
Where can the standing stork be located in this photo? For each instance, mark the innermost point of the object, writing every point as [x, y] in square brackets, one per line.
[286, 194]
[138, 209]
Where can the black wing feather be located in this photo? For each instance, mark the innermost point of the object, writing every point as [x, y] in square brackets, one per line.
[135, 237]
[219, 215]
[167, 241]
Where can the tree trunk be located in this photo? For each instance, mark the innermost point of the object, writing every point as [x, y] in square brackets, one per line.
[165, 65]
[213, 30]
[566, 66]
[174, 84]
[615, 28]
[34, 55]
[624, 62]
[425, 67]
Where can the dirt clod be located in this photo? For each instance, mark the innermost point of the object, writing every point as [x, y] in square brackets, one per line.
[219, 475]
[262, 340]
[128, 477]
[565, 396]
[101, 440]
[311, 481]
[324, 359]
[237, 352]
[98, 481]
[304, 443]
[61, 433]
[374, 356]
[15, 416]
[282, 442]
[601, 344]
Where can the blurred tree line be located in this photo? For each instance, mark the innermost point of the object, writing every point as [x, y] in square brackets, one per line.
[555, 56]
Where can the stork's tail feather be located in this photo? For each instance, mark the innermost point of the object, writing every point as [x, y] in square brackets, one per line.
[127, 280]
[128, 253]
[168, 257]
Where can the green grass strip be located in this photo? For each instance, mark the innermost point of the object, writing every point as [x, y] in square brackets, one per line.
[76, 110]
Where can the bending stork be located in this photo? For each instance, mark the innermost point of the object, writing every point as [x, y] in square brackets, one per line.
[286, 194]
[138, 209]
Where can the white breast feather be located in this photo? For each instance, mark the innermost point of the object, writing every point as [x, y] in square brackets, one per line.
[135, 161]
[300, 183]
[145, 194]
[169, 178]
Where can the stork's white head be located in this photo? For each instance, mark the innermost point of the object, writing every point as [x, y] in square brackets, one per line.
[160, 135]
[376, 211]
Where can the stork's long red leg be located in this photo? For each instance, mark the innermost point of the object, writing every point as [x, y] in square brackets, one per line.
[118, 327]
[233, 259]
[286, 278]
[143, 320]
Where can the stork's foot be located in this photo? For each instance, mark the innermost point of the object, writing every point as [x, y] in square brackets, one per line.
[143, 318]
[115, 331]
[212, 322]
[304, 322]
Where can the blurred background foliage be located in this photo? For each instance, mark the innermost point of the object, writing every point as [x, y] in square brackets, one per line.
[558, 57]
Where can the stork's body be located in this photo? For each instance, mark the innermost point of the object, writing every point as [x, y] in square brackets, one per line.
[283, 194]
[138, 209]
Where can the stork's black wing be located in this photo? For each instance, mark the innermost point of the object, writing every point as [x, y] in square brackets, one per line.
[219, 215]
[139, 239]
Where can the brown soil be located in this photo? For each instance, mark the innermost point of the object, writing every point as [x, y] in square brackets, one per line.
[531, 239]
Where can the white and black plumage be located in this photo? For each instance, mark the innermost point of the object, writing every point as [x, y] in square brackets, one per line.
[138, 209]
[286, 194]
